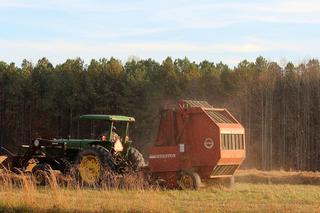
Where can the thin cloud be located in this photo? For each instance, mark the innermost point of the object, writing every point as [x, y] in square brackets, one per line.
[101, 32]
[70, 5]
[210, 14]
[176, 16]
[296, 7]
[149, 28]
[56, 47]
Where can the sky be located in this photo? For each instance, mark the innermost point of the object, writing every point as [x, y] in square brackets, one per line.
[228, 31]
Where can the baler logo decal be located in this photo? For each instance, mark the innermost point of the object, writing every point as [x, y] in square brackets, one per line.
[208, 143]
[162, 156]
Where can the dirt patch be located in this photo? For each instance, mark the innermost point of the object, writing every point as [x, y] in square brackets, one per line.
[277, 177]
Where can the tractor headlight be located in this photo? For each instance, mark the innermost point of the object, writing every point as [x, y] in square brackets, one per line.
[36, 143]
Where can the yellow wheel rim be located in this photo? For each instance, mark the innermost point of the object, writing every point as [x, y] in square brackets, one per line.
[186, 182]
[90, 169]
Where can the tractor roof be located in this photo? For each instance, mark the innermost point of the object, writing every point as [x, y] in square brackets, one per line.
[107, 117]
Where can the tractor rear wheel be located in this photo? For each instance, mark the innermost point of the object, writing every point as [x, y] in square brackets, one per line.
[93, 164]
[136, 159]
[189, 180]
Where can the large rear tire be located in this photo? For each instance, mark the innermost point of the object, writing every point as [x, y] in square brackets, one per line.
[136, 159]
[93, 164]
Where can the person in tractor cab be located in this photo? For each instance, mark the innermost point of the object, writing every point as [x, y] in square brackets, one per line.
[114, 135]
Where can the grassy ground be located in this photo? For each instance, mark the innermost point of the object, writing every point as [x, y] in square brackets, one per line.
[244, 197]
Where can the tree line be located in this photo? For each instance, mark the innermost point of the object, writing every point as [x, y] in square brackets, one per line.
[278, 105]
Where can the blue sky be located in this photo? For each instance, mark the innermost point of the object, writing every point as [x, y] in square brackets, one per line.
[227, 31]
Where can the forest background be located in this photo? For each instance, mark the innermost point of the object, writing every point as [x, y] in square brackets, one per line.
[279, 106]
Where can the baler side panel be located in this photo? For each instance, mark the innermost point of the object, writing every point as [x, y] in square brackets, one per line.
[204, 140]
[164, 158]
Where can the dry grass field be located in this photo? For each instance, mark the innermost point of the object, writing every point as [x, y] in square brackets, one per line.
[255, 192]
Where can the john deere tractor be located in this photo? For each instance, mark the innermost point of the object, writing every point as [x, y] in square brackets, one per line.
[108, 149]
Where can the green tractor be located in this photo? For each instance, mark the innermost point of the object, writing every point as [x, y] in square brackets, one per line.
[107, 150]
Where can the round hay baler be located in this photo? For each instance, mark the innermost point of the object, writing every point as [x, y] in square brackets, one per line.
[196, 142]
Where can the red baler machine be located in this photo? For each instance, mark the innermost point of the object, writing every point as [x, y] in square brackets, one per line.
[196, 141]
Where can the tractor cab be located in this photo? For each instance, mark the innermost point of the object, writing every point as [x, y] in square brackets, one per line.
[108, 127]
[107, 130]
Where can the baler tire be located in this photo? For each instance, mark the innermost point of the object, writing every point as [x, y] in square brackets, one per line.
[190, 176]
[103, 157]
[136, 159]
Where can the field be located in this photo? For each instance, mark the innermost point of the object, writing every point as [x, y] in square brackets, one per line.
[245, 196]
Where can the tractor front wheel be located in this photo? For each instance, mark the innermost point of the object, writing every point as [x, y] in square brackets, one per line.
[41, 174]
[189, 180]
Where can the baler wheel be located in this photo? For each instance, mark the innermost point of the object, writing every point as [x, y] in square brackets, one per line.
[93, 163]
[189, 180]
